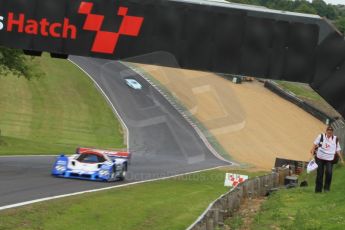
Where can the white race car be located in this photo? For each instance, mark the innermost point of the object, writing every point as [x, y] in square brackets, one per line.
[133, 83]
[91, 165]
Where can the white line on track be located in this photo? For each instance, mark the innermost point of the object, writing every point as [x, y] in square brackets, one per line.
[8, 156]
[108, 100]
[99, 189]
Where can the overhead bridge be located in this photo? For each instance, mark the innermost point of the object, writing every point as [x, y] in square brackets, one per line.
[202, 35]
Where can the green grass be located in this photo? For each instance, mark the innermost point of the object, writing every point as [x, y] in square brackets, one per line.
[235, 222]
[54, 113]
[300, 90]
[167, 204]
[301, 208]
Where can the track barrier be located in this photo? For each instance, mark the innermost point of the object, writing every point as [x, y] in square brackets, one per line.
[227, 204]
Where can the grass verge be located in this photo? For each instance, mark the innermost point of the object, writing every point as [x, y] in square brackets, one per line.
[307, 94]
[166, 204]
[300, 90]
[54, 113]
[301, 208]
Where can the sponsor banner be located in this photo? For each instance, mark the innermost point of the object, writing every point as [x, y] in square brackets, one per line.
[232, 180]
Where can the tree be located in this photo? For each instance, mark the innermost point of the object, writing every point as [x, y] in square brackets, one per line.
[340, 24]
[305, 8]
[15, 62]
[321, 7]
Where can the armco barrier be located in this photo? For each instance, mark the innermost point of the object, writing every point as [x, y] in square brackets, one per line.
[226, 205]
[274, 87]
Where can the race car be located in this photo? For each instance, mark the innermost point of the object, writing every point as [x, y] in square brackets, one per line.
[90, 165]
[133, 83]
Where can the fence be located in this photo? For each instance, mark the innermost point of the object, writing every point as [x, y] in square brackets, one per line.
[225, 206]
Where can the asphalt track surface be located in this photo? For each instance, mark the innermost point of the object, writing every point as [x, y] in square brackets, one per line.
[163, 143]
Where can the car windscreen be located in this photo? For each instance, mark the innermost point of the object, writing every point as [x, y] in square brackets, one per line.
[113, 158]
[90, 158]
[134, 82]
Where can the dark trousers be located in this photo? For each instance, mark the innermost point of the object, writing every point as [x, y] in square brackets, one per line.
[324, 167]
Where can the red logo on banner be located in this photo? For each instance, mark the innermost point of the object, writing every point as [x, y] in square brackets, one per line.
[105, 41]
[236, 180]
[232, 180]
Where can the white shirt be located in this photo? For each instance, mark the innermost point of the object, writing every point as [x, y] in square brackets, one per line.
[328, 148]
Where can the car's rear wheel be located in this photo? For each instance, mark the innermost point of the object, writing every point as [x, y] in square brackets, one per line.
[124, 172]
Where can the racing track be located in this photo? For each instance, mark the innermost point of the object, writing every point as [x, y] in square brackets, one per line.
[163, 143]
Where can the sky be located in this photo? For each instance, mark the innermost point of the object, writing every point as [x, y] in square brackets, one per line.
[335, 2]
